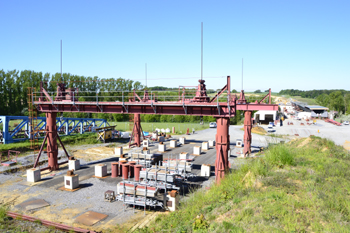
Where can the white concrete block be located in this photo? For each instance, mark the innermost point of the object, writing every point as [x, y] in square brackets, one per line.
[184, 156]
[205, 170]
[146, 152]
[71, 182]
[74, 164]
[123, 159]
[161, 148]
[182, 140]
[145, 143]
[211, 143]
[101, 170]
[161, 139]
[118, 151]
[239, 143]
[33, 175]
[205, 146]
[197, 150]
[173, 143]
[174, 202]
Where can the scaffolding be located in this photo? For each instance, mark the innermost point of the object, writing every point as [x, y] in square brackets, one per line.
[33, 122]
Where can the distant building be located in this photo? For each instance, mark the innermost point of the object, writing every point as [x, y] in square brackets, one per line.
[305, 111]
[264, 117]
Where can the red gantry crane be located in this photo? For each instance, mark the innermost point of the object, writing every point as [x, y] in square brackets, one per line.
[199, 105]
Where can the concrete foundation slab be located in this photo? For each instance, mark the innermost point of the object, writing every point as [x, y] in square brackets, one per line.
[32, 205]
[90, 218]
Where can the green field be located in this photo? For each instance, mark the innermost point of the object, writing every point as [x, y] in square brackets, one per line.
[91, 138]
[180, 128]
[300, 186]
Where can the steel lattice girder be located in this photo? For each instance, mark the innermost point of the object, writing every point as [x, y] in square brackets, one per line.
[221, 109]
[24, 126]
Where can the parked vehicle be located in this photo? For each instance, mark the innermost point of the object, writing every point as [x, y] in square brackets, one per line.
[270, 129]
[212, 125]
[346, 123]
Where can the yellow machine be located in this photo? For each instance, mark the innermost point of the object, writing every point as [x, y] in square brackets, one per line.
[106, 133]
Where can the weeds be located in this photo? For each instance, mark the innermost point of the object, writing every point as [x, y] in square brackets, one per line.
[291, 189]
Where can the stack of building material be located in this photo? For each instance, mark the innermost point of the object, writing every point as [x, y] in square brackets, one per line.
[139, 201]
[144, 163]
[158, 174]
[149, 158]
[141, 156]
[181, 165]
[132, 188]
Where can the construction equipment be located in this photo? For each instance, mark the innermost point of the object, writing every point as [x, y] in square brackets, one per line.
[107, 133]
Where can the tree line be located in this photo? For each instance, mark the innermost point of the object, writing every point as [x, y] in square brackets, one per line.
[338, 100]
[14, 95]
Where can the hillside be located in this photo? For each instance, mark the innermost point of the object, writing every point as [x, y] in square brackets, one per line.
[301, 186]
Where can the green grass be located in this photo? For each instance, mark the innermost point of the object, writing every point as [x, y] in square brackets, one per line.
[91, 138]
[304, 100]
[8, 224]
[180, 128]
[292, 188]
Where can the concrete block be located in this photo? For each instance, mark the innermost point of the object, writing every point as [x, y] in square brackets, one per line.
[205, 170]
[101, 170]
[33, 175]
[145, 143]
[161, 147]
[211, 143]
[197, 150]
[123, 159]
[146, 152]
[118, 151]
[71, 182]
[173, 200]
[205, 146]
[182, 140]
[161, 139]
[173, 143]
[184, 156]
[74, 164]
[239, 143]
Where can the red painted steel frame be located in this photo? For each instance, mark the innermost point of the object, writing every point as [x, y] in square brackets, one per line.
[52, 147]
[198, 106]
[222, 146]
[137, 129]
[247, 132]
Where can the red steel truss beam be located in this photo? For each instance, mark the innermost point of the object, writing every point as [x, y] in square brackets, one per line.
[220, 109]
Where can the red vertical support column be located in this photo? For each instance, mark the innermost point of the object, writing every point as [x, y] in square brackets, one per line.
[247, 132]
[137, 129]
[222, 147]
[52, 147]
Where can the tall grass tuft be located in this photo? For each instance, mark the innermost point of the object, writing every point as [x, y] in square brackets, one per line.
[3, 211]
[280, 155]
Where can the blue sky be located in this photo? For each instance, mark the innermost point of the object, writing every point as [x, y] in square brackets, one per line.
[285, 44]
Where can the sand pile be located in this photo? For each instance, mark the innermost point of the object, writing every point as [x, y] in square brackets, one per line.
[95, 153]
[258, 130]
